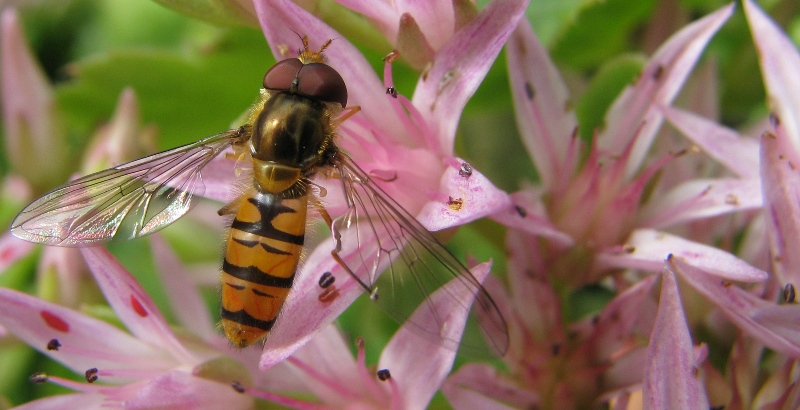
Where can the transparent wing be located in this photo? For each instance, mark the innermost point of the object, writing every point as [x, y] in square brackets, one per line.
[125, 202]
[401, 264]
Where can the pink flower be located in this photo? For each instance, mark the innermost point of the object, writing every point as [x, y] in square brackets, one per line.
[418, 30]
[410, 369]
[597, 206]
[31, 118]
[33, 126]
[405, 146]
[151, 365]
[591, 220]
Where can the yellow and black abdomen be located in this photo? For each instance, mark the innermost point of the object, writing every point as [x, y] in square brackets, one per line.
[261, 257]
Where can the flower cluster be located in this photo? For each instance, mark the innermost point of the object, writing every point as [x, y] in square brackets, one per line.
[636, 274]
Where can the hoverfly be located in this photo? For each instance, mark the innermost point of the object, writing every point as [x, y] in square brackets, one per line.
[289, 137]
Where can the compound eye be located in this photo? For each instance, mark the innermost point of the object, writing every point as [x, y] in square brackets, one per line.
[321, 81]
[282, 74]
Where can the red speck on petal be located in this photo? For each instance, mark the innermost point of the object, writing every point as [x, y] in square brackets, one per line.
[6, 254]
[137, 307]
[54, 321]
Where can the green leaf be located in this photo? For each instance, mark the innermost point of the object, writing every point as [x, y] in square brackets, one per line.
[606, 86]
[601, 31]
[187, 97]
[551, 17]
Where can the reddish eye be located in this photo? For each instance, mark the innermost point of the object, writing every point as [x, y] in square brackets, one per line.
[282, 74]
[315, 80]
[322, 81]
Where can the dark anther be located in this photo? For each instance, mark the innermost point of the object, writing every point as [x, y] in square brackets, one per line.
[384, 375]
[53, 344]
[91, 375]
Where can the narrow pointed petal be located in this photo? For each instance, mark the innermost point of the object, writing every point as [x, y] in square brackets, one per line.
[187, 304]
[85, 342]
[528, 214]
[776, 326]
[478, 386]
[672, 374]
[218, 178]
[364, 87]
[461, 65]
[84, 401]
[12, 249]
[635, 114]
[542, 105]
[132, 304]
[780, 63]
[30, 116]
[781, 183]
[738, 153]
[469, 198]
[303, 315]
[702, 198]
[179, 390]
[381, 13]
[121, 140]
[626, 314]
[418, 366]
[329, 357]
[412, 44]
[435, 17]
[647, 249]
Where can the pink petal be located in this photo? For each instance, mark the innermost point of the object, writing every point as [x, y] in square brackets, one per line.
[776, 326]
[179, 390]
[671, 373]
[478, 386]
[187, 304]
[635, 113]
[542, 106]
[647, 249]
[460, 66]
[470, 197]
[702, 198]
[30, 116]
[626, 371]
[85, 342]
[436, 18]
[83, 401]
[780, 63]
[627, 314]
[781, 180]
[120, 140]
[365, 89]
[738, 153]
[529, 214]
[70, 269]
[12, 249]
[132, 304]
[418, 366]
[219, 178]
[303, 315]
[336, 377]
[380, 13]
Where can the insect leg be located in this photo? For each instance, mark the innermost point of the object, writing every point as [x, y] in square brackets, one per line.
[335, 252]
[346, 113]
[232, 207]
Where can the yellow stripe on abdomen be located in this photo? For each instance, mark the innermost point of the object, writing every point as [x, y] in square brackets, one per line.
[261, 257]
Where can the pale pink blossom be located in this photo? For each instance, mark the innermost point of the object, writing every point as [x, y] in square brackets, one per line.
[150, 365]
[406, 145]
[588, 220]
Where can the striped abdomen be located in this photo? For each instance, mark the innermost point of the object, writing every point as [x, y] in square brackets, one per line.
[263, 249]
